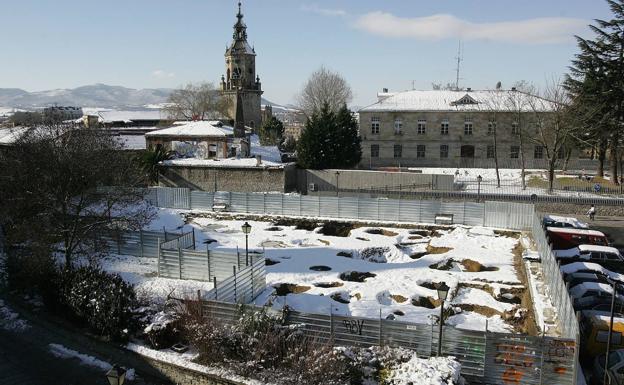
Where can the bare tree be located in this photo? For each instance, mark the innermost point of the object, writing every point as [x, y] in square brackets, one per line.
[324, 87]
[517, 102]
[555, 126]
[197, 102]
[49, 181]
[494, 106]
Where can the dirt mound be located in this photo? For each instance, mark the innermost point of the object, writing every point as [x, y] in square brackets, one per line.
[327, 285]
[341, 297]
[426, 302]
[385, 232]
[443, 265]
[320, 268]
[420, 233]
[374, 254]
[438, 250]
[274, 228]
[483, 310]
[300, 224]
[398, 312]
[345, 254]
[290, 288]
[398, 298]
[336, 229]
[418, 255]
[270, 262]
[429, 285]
[475, 267]
[356, 276]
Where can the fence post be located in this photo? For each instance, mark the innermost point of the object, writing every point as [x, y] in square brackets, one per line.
[252, 282]
[263, 203]
[238, 258]
[158, 256]
[214, 283]
[180, 259]
[193, 238]
[380, 329]
[208, 260]
[141, 238]
[235, 283]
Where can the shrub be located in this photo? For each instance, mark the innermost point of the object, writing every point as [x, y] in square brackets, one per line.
[101, 300]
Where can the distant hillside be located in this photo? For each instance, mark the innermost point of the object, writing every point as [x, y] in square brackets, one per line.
[97, 95]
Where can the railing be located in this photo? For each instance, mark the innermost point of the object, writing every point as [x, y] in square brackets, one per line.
[242, 287]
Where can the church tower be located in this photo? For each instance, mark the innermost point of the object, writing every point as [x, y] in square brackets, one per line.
[241, 84]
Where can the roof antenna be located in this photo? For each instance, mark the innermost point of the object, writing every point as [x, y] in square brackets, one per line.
[459, 60]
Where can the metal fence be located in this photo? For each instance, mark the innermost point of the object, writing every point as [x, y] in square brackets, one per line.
[137, 243]
[556, 285]
[486, 357]
[243, 286]
[517, 216]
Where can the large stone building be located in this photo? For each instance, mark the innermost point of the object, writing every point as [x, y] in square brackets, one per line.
[240, 76]
[451, 129]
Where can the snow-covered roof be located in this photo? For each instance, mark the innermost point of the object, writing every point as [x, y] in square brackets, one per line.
[446, 100]
[225, 163]
[131, 116]
[202, 128]
[575, 231]
[582, 288]
[598, 248]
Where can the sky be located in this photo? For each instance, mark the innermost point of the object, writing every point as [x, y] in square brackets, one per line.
[395, 44]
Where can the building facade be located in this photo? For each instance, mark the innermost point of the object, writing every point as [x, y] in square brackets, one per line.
[452, 129]
[241, 77]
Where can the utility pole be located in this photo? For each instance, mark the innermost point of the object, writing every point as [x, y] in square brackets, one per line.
[458, 68]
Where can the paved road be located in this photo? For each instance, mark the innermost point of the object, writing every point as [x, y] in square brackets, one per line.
[25, 358]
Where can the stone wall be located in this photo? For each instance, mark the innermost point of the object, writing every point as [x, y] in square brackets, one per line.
[256, 179]
[179, 375]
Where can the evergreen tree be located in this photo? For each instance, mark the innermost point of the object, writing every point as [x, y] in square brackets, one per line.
[596, 83]
[271, 132]
[329, 140]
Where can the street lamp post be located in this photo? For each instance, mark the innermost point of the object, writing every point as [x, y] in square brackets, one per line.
[442, 294]
[479, 180]
[606, 368]
[116, 375]
[246, 229]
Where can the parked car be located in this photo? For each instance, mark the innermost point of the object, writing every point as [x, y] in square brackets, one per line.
[589, 253]
[567, 238]
[595, 330]
[575, 278]
[590, 289]
[590, 267]
[616, 367]
[567, 222]
[600, 301]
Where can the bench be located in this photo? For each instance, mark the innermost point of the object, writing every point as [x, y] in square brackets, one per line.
[220, 206]
[443, 219]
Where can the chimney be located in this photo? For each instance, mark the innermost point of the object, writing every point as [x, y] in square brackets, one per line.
[513, 89]
[468, 89]
[385, 90]
[258, 160]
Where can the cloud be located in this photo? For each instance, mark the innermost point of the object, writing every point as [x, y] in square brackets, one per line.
[546, 30]
[313, 8]
[160, 74]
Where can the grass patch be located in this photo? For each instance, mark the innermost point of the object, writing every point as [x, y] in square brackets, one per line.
[385, 232]
[327, 285]
[398, 298]
[336, 229]
[426, 302]
[345, 254]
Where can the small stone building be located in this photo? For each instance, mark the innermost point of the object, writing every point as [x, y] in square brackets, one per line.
[196, 139]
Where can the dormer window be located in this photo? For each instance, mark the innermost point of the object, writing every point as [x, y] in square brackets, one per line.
[465, 100]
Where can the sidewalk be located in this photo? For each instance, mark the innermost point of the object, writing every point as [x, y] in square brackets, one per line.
[25, 357]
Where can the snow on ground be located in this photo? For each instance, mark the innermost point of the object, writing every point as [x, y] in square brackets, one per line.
[9, 320]
[432, 371]
[185, 360]
[403, 268]
[63, 352]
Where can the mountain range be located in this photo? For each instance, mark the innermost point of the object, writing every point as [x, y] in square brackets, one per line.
[96, 95]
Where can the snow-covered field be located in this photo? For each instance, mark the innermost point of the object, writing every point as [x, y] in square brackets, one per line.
[370, 270]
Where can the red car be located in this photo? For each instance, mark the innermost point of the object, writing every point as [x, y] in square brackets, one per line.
[566, 238]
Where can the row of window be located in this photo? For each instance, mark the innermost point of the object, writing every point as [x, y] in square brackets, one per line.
[421, 127]
[421, 149]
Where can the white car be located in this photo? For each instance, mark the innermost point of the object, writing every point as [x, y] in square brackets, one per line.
[594, 253]
[557, 221]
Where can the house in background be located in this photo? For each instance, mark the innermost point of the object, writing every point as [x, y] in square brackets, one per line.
[196, 139]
